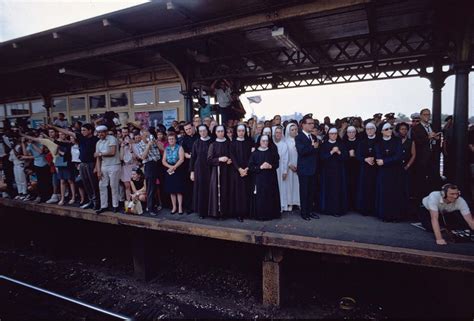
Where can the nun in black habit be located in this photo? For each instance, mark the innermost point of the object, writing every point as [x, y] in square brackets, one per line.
[365, 154]
[200, 171]
[240, 151]
[265, 194]
[333, 155]
[351, 142]
[389, 196]
[218, 157]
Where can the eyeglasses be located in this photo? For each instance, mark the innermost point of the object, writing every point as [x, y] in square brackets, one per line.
[312, 123]
[387, 129]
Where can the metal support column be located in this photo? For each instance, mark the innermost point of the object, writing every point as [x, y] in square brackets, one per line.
[461, 110]
[48, 104]
[141, 259]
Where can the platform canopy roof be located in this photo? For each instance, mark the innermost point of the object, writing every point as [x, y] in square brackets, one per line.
[262, 44]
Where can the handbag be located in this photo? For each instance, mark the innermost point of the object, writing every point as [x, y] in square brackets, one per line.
[134, 207]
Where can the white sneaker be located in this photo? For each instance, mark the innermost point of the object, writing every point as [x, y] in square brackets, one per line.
[54, 199]
[37, 200]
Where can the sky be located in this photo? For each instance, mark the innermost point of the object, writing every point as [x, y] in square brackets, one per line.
[23, 17]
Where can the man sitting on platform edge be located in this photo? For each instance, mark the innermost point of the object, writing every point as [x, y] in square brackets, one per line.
[447, 201]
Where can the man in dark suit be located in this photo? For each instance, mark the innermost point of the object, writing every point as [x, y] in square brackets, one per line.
[427, 144]
[307, 146]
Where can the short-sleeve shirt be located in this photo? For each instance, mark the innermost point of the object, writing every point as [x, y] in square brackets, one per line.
[104, 145]
[60, 123]
[224, 97]
[87, 147]
[435, 202]
[39, 158]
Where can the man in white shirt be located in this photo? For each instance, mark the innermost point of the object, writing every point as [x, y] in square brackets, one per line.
[107, 168]
[224, 98]
[446, 206]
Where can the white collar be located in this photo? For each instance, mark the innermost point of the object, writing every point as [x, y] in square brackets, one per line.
[205, 139]
[386, 138]
[240, 139]
[351, 140]
[307, 134]
[331, 141]
[221, 140]
[262, 149]
[371, 137]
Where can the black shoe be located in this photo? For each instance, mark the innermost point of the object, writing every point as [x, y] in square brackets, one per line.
[240, 219]
[115, 209]
[336, 215]
[180, 213]
[314, 215]
[173, 212]
[101, 210]
[202, 217]
[306, 218]
[87, 205]
[189, 212]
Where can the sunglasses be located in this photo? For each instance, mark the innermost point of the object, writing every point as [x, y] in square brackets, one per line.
[387, 129]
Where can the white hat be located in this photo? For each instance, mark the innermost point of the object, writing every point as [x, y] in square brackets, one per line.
[351, 129]
[101, 128]
[332, 131]
[386, 125]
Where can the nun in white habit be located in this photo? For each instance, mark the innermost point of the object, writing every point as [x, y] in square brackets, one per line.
[293, 185]
[282, 171]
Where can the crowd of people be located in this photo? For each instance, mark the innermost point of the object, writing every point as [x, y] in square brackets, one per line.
[239, 169]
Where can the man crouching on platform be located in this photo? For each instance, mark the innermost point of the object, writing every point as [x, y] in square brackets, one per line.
[448, 207]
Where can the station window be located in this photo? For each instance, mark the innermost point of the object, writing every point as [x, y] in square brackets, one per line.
[75, 118]
[169, 95]
[37, 107]
[119, 99]
[143, 97]
[18, 109]
[97, 101]
[59, 104]
[77, 103]
[2, 111]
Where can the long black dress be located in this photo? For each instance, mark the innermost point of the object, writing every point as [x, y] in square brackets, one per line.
[240, 186]
[333, 179]
[389, 197]
[406, 174]
[352, 172]
[265, 194]
[219, 185]
[367, 177]
[202, 175]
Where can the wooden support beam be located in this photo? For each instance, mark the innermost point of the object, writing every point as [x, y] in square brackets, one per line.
[141, 255]
[77, 73]
[226, 25]
[271, 277]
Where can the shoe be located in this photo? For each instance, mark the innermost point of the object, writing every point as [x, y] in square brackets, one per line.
[159, 208]
[87, 205]
[37, 200]
[336, 215]
[314, 215]
[173, 212]
[153, 213]
[71, 201]
[54, 199]
[189, 212]
[115, 209]
[202, 217]
[240, 219]
[101, 210]
[61, 203]
[306, 218]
